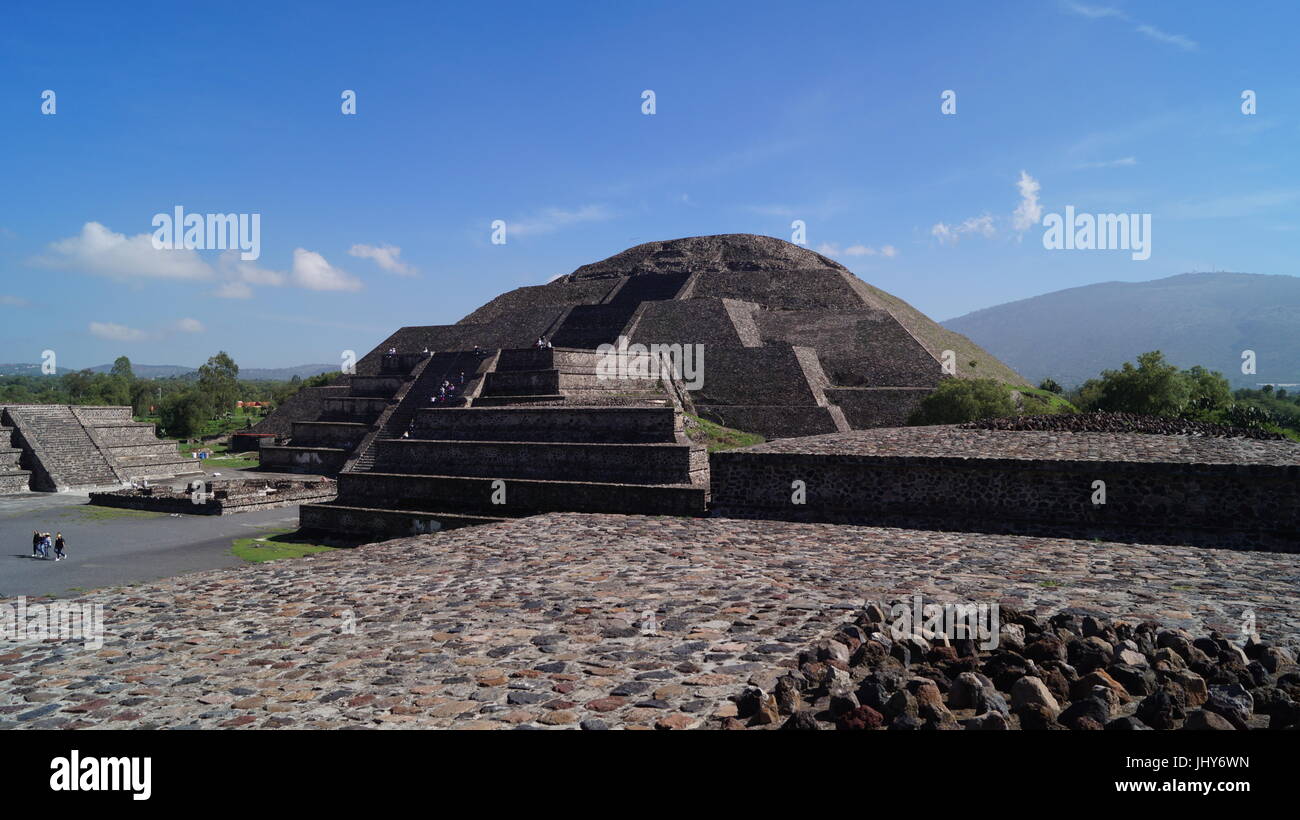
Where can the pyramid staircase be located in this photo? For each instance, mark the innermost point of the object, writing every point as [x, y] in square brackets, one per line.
[13, 478]
[349, 418]
[589, 326]
[545, 434]
[68, 447]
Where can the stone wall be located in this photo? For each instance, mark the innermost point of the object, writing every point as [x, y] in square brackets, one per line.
[1247, 506]
[866, 407]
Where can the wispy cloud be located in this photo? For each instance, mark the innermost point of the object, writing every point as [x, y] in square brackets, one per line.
[832, 249]
[952, 234]
[117, 333]
[1145, 29]
[1028, 212]
[13, 301]
[550, 220]
[1122, 162]
[387, 257]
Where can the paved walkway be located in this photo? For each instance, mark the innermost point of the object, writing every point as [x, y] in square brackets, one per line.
[109, 547]
[538, 622]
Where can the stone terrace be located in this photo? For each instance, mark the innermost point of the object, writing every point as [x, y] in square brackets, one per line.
[952, 442]
[535, 622]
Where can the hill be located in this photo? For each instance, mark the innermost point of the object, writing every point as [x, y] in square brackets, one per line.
[1194, 318]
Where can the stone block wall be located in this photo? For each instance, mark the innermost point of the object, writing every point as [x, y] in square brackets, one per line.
[1244, 506]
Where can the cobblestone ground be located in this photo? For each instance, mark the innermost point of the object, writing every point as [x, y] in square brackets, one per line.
[537, 622]
[948, 441]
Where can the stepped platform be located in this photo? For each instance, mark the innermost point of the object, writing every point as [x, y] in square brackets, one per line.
[66, 447]
[1217, 492]
[513, 455]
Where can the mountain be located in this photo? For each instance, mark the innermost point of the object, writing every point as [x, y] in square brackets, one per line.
[148, 371]
[1193, 318]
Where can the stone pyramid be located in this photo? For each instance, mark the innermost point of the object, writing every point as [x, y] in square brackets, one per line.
[794, 343]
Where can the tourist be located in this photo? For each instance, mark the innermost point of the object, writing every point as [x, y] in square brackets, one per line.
[36, 543]
[461, 379]
[59, 544]
[45, 545]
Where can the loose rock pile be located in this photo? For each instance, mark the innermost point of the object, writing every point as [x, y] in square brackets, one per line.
[1119, 423]
[1065, 672]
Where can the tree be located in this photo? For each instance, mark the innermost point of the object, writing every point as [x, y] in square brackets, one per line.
[182, 415]
[122, 368]
[1153, 388]
[219, 382]
[1208, 393]
[956, 401]
[1051, 386]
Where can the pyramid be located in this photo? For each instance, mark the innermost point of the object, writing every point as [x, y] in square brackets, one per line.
[794, 343]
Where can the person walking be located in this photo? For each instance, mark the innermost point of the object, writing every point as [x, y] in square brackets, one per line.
[59, 544]
[36, 543]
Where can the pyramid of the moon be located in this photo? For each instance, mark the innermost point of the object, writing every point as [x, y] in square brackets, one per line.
[794, 343]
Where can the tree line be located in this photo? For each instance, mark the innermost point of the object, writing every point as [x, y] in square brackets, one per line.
[1152, 387]
[182, 405]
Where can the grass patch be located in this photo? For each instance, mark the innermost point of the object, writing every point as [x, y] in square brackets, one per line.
[222, 457]
[274, 546]
[1038, 401]
[715, 437]
[94, 512]
[1050, 584]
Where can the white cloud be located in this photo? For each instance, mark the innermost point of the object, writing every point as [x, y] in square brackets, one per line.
[1122, 162]
[13, 301]
[1095, 12]
[188, 325]
[311, 271]
[1028, 212]
[831, 249]
[552, 219]
[99, 251]
[233, 290]
[982, 225]
[387, 257]
[117, 333]
[240, 276]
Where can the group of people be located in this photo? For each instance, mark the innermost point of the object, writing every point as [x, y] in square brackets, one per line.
[41, 545]
[542, 343]
[448, 390]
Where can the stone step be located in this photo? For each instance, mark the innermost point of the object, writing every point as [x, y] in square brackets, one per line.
[14, 481]
[375, 386]
[527, 398]
[568, 423]
[354, 408]
[515, 382]
[291, 459]
[534, 358]
[614, 463]
[376, 524]
[344, 434]
[520, 497]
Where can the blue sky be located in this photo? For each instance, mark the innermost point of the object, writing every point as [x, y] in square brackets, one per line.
[531, 113]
